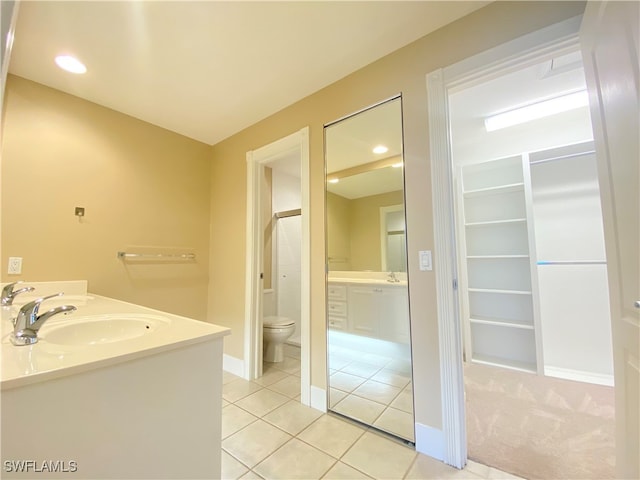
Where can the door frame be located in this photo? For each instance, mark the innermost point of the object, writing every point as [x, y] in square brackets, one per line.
[256, 161]
[513, 55]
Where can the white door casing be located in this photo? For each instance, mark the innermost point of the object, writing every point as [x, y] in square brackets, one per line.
[256, 159]
[610, 42]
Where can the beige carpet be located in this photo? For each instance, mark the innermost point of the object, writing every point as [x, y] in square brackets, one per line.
[539, 427]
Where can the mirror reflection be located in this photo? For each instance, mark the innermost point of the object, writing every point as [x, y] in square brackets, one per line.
[367, 288]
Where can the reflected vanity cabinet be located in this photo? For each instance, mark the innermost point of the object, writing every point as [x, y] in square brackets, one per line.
[371, 310]
[497, 284]
[337, 306]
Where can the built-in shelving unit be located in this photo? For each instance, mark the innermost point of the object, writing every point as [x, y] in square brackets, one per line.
[497, 274]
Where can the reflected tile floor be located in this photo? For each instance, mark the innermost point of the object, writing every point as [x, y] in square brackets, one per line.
[267, 434]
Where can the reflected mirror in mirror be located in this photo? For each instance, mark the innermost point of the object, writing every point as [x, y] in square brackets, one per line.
[368, 306]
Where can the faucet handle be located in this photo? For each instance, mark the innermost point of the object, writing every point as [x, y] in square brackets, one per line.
[31, 308]
[8, 294]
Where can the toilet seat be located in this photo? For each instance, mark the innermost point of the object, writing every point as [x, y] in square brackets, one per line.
[273, 321]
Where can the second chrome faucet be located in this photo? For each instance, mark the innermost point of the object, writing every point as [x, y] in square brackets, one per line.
[28, 322]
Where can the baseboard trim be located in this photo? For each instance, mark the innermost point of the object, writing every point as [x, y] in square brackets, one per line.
[579, 375]
[430, 441]
[319, 399]
[233, 365]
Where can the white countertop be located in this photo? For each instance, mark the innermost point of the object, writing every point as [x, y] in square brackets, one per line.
[366, 277]
[23, 365]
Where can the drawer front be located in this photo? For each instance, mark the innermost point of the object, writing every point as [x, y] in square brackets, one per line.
[337, 323]
[337, 292]
[337, 308]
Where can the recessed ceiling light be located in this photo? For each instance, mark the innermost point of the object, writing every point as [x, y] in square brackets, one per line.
[380, 149]
[70, 64]
[538, 110]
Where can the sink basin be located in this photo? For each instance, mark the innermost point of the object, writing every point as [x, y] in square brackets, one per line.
[101, 329]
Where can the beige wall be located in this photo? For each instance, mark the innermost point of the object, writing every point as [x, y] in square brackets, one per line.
[403, 71]
[140, 185]
[365, 229]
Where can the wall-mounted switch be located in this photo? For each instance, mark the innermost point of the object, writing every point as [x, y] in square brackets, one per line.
[424, 260]
[15, 265]
[79, 211]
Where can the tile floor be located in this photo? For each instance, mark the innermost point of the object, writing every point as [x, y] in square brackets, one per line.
[268, 434]
[372, 388]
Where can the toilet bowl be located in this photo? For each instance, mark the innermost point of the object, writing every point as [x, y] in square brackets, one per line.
[275, 331]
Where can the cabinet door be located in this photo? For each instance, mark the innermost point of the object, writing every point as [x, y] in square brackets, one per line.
[362, 311]
[394, 314]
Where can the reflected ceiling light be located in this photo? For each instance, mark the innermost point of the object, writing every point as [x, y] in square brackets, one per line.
[70, 64]
[333, 180]
[380, 149]
[538, 110]
[397, 165]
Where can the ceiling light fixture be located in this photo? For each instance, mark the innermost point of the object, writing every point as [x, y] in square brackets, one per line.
[380, 149]
[538, 110]
[70, 64]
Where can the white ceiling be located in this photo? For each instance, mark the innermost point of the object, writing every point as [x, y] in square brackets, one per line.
[209, 69]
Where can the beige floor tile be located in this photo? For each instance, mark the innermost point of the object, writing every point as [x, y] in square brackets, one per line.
[225, 403]
[379, 457]
[295, 460]
[335, 396]
[336, 362]
[331, 435]
[251, 475]
[255, 442]
[404, 401]
[392, 378]
[345, 381]
[270, 376]
[234, 419]
[292, 351]
[292, 417]
[374, 359]
[289, 386]
[495, 474]
[402, 366]
[262, 402]
[232, 468]
[237, 389]
[288, 365]
[361, 369]
[397, 422]
[228, 377]
[427, 468]
[359, 408]
[341, 471]
[377, 391]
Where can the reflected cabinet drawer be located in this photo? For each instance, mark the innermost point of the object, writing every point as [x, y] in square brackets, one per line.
[337, 323]
[337, 292]
[337, 308]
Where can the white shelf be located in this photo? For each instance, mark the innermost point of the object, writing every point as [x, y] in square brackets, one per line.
[495, 290]
[499, 189]
[501, 362]
[494, 257]
[496, 222]
[500, 323]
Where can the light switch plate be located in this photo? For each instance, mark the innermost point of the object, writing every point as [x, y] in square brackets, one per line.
[424, 260]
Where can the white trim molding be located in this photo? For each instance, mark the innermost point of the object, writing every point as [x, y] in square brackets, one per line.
[318, 399]
[430, 441]
[233, 365]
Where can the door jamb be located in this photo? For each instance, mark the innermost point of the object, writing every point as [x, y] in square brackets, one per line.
[489, 64]
[256, 159]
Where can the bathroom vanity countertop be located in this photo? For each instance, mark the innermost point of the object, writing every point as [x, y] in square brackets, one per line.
[46, 360]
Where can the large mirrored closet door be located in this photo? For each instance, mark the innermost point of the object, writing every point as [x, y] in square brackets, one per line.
[369, 349]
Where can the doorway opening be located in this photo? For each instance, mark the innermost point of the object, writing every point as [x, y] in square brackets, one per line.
[495, 308]
[278, 240]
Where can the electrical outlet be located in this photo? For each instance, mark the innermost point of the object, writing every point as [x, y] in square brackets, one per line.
[15, 265]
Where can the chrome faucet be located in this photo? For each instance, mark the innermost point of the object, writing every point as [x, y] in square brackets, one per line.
[392, 277]
[28, 322]
[8, 294]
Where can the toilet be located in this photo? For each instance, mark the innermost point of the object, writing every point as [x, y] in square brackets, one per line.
[275, 331]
